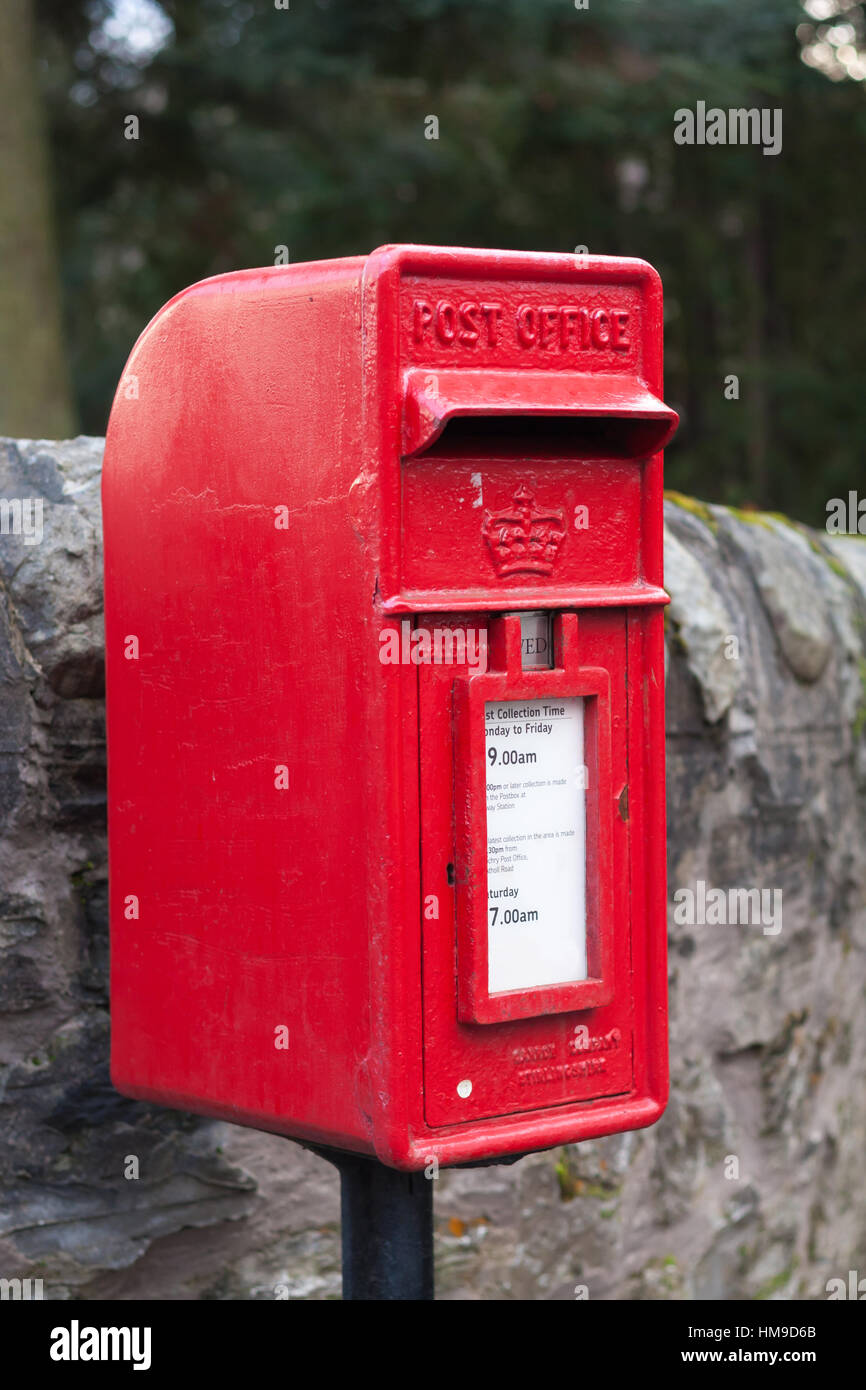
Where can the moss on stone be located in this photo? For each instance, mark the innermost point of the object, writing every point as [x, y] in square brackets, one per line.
[757, 518]
[836, 566]
[691, 504]
[565, 1178]
[829, 559]
[777, 1282]
[571, 1185]
[860, 717]
[664, 1274]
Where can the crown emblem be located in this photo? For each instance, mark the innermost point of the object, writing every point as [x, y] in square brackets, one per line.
[523, 539]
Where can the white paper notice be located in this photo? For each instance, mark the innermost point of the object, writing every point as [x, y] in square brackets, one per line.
[536, 843]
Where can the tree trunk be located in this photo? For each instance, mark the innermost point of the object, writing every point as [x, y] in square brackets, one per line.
[35, 398]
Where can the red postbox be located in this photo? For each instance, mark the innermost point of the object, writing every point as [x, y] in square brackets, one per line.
[383, 596]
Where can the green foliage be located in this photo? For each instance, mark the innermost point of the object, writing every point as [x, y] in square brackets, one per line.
[305, 127]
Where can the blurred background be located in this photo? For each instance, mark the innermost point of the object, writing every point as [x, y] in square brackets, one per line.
[305, 127]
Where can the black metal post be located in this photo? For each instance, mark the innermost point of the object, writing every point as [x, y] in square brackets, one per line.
[387, 1223]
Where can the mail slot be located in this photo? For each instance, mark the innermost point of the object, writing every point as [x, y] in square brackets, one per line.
[383, 598]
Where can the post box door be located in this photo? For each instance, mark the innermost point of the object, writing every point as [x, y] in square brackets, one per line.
[550, 1052]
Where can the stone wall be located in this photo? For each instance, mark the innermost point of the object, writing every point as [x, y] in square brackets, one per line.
[752, 1184]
